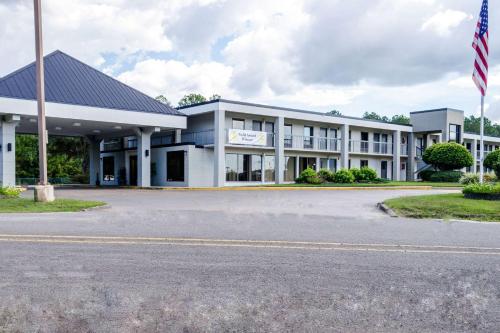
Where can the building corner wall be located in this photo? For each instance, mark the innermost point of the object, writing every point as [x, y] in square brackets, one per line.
[219, 147]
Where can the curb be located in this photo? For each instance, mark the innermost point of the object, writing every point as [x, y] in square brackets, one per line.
[106, 206]
[284, 188]
[384, 208]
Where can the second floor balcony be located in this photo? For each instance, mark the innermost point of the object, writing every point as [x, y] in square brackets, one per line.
[312, 143]
[370, 147]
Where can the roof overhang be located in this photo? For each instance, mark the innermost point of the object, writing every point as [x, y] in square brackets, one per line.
[78, 120]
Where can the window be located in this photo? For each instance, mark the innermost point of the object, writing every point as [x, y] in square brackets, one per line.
[323, 163]
[289, 169]
[376, 142]
[307, 162]
[270, 135]
[256, 172]
[269, 127]
[308, 136]
[364, 142]
[323, 138]
[238, 124]
[364, 163]
[454, 133]
[269, 168]
[108, 168]
[384, 145]
[328, 163]
[243, 167]
[288, 136]
[332, 165]
[333, 139]
[175, 166]
[231, 167]
[257, 125]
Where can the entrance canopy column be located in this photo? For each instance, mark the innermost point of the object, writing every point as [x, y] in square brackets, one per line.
[144, 156]
[8, 150]
[94, 160]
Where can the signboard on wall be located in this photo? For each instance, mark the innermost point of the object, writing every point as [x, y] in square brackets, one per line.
[244, 137]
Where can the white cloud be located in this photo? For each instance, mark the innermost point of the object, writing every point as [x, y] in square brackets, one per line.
[360, 55]
[444, 21]
[174, 79]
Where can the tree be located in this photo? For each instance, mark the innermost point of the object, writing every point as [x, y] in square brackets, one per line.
[375, 116]
[448, 156]
[473, 125]
[215, 97]
[400, 119]
[163, 99]
[191, 99]
[334, 113]
[66, 156]
[492, 161]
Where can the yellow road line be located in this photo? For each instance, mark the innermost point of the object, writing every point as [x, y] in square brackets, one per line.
[273, 244]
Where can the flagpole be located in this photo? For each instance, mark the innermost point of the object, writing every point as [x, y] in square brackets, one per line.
[481, 148]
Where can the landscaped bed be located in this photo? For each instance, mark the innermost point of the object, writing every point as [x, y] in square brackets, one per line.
[22, 205]
[446, 206]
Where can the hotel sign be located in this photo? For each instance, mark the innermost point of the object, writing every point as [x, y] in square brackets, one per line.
[249, 138]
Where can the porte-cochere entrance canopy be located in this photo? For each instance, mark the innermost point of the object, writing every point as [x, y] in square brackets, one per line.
[80, 101]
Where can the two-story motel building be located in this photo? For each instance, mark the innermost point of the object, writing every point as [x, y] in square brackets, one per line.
[135, 140]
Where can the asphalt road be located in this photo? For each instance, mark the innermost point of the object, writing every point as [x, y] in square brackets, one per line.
[301, 261]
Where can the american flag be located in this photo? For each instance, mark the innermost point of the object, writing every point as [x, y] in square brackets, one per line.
[480, 44]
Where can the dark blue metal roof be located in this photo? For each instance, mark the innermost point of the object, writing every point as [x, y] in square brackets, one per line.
[70, 81]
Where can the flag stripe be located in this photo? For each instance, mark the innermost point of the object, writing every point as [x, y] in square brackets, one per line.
[480, 45]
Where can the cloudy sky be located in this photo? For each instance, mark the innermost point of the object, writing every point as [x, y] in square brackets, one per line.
[386, 56]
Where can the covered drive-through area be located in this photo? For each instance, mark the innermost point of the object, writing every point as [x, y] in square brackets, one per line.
[81, 101]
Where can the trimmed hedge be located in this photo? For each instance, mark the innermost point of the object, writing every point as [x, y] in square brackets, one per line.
[309, 176]
[425, 175]
[325, 175]
[492, 161]
[365, 174]
[448, 156]
[482, 191]
[446, 176]
[343, 176]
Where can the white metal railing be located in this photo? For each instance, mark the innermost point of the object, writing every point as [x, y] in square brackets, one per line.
[404, 149]
[370, 147]
[312, 143]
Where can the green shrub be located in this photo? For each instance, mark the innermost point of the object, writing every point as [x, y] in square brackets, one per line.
[309, 176]
[325, 175]
[490, 177]
[473, 178]
[426, 156]
[10, 192]
[448, 156]
[446, 176]
[492, 161]
[343, 176]
[469, 178]
[482, 189]
[425, 175]
[368, 174]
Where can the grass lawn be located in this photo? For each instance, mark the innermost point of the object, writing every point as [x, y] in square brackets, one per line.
[391, 183]
[21, 205]
[446, 206]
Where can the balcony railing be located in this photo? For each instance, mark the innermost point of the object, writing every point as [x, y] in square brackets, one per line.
[370, 147]
[201, 138]
[404, 149]
[269, 140]
[312, 143]
[486, 152]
